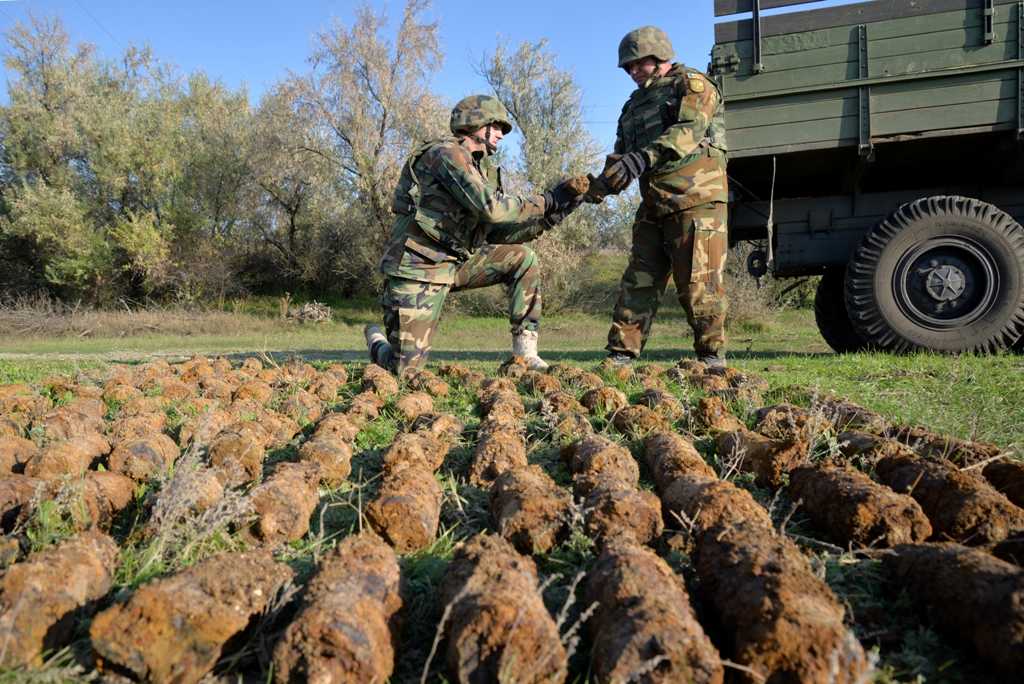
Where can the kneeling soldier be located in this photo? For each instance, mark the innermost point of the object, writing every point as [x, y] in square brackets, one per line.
[455, 229]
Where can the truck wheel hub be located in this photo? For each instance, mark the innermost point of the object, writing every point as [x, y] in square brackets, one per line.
[946, 283]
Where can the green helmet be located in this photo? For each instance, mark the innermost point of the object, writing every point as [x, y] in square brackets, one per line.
[646, 41]
[476, 111]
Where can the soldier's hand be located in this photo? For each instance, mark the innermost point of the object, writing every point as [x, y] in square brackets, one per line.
[620, 173]
[554, 218]
[565, 194]
[598, 190]
[564, 198]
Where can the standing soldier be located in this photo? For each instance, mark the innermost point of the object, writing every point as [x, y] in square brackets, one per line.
[455, 229]
[670, 135]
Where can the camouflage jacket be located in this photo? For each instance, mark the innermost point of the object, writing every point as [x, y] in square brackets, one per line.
[448, 204]
[678, 121]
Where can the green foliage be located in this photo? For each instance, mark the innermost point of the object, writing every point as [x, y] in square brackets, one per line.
[125, 178]
[73, 251]
[25, 371]
[54, 520]
[140, 237]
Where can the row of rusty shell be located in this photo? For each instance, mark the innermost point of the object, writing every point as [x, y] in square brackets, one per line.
[783, 621]
[641, 613]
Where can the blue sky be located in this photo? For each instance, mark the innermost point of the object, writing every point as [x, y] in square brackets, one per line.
[257, 41]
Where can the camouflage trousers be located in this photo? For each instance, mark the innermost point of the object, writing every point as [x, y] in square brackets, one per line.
[412, 307]
[690, 246]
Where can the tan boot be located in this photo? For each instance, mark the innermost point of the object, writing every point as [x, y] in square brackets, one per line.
[525, 344]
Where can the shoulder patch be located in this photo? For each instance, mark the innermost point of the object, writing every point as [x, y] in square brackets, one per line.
[695, 82]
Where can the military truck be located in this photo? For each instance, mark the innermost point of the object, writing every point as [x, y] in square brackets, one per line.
[879, 144]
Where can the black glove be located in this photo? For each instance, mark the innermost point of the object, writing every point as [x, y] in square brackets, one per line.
[619, 172]
[560, 197]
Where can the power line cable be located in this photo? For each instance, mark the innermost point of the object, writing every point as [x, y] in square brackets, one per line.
[101, 25]
[6, 14]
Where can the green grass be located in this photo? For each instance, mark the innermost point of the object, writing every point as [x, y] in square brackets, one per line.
[969, 396]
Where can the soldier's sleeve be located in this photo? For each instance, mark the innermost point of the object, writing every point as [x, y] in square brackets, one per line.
[696, 109]
[514, 233]
[453, 168]
[620, 146]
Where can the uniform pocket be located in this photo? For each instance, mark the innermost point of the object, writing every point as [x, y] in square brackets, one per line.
[414, 295]
[431, 254]
[710, 244]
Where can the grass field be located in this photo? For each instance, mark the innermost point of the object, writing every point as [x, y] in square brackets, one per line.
[966, 396]
[969, 396]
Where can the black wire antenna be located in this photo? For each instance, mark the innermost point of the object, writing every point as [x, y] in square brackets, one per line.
[100, 25]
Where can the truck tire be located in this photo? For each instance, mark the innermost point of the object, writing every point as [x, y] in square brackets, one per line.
[830, 314]
[940, 273]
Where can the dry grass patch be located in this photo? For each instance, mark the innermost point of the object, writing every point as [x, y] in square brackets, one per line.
[44, 317]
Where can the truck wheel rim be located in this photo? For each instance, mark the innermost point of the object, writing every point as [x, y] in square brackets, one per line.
[946, 283]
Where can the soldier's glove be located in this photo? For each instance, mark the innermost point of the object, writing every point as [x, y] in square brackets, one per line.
[619, 172]
[623, 172]
[598, 189]
[563, 198]
[563, 195]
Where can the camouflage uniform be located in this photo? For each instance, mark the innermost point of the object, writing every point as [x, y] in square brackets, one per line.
[454, 229]
[680, 229]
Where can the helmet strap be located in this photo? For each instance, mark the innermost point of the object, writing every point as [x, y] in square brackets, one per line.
[657, 73]
[491, 147]
[485, 141]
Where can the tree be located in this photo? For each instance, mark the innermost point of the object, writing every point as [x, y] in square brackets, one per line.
[371, 102]
[545, 103]
[209, 207]
[48, 88]
[292, 187]
[46, 235]
[116, 173]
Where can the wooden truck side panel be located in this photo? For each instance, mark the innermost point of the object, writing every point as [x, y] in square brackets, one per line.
[862, 107]
[935, 65]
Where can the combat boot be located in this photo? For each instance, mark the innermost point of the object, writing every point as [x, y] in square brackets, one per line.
[525, 344]
[616, 360]
[712, 361]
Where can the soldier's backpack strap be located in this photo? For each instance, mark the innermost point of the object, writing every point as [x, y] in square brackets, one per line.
[407, 193]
